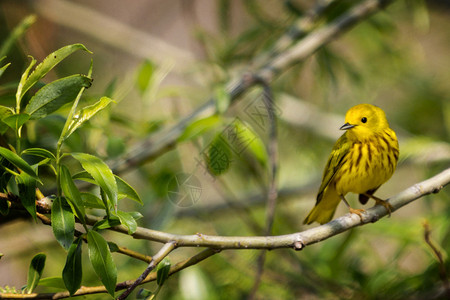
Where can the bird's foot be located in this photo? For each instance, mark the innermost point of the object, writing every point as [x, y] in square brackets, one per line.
[356, 211]
[382, 202]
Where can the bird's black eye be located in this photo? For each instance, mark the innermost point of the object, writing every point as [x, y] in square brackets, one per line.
[364, 120]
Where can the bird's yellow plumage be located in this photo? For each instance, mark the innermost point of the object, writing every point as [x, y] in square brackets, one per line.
[362, 159]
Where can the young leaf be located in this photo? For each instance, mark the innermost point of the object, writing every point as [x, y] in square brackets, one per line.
[48, 63]
[63, 222]
[126, 191]
[2, 69]
[52, 282]
[73, 272]
[145, 75]
[72, 193]
[162, 271]
[127, 220]
[23, 79]
[39, 152]
[102, 261]
[106, 223]
[55, 94]
[101, 173]
[27, 193]
[35, 271]
[199, 127]
[16, 121]
[18, 162]
[18, 31]
[251, 140]
[86, 113]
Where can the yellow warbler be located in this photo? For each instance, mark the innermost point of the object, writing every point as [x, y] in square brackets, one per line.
[362, 159]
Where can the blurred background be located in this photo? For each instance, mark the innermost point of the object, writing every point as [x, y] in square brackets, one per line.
[161, 60]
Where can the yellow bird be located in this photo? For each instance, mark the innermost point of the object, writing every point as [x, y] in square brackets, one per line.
[362, 159]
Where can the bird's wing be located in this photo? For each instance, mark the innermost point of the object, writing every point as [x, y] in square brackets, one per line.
[335, 162]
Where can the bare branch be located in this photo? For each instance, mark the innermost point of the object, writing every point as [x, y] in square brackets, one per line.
[295, 240]
[163, 252]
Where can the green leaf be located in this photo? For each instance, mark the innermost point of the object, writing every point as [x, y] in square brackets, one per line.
[199, 127]
[63, 222]
[162, 271]
[145, 75]
[49, 63]
[52, 282]
[72, 193]
[18, 31]
[102, 261]
[106, 223]
[27, 192]
[87, 113]
[23, 79]
[222, 98]
[252, 141]
[35, 271]
[136, 215]
[127, 220]
[113, 247]
[125, 190]
[16, 121]
[219, 155]
[101, 173]
[92, 201]
[55, 94]
[18, 162]
[2, 69]
[4, 113]
[39, 152]
[144, 294]
[73, 272]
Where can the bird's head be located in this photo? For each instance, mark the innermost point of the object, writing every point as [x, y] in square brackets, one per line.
[364, 120]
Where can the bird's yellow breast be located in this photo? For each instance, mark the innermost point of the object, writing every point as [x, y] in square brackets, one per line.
[367, 165]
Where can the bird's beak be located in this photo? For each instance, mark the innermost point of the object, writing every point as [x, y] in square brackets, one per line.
[347, 126]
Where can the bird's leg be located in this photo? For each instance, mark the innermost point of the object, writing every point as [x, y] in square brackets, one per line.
[382, 202]
[352, 210]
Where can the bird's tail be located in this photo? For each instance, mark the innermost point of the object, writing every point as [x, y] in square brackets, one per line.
[324, 209]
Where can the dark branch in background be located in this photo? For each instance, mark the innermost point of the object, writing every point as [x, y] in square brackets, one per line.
[166, 139]
[272, 193]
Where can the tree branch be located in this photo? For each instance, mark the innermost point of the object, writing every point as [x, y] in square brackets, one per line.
[295, 240]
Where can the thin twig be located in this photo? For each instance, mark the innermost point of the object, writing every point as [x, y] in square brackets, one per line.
[163, 252]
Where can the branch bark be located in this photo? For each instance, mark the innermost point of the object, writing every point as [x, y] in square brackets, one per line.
[297, 240]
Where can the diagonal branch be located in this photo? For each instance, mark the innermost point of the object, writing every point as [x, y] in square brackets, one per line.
[166, 139]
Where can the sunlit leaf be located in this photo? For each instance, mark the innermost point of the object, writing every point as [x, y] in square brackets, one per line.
[16, 121]
[52, 282]
[145, 75]
[39, 152]
[162, 271]
[101, 173]
[35, 271]
[18, 162]
[251, 141]
[199, 127]
[56, 94]
[49, 63]
[101, 260]
[87, 113]
[126, 191]
[92, 201]
[127, 220]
